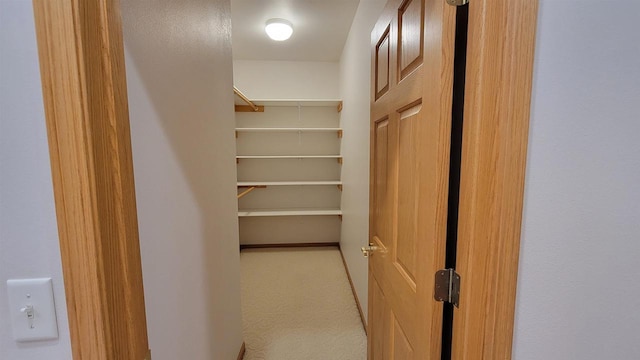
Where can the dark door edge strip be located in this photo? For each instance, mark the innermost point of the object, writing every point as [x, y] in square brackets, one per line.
[455, 162]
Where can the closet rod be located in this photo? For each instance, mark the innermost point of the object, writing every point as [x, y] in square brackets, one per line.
[245, 99]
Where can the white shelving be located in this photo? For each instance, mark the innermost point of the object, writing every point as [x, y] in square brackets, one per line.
[289, 212]
[289, 183]
[288, 157]
[298, 102]
[299, 129]
[294, 201]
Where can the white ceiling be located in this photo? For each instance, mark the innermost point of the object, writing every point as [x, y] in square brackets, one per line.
[320, 29]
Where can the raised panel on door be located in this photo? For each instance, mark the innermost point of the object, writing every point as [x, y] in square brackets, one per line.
[382, 65]
[381, 185]
[379, 316]
[408, 194]
[410, 35]
[402, 349]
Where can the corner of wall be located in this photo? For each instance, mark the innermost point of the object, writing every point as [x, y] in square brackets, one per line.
[354, 90]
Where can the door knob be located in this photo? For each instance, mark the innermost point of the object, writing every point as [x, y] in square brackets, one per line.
[368, 250]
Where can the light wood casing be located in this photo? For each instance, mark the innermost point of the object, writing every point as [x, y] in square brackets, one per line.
[85, 94]
[497, 106]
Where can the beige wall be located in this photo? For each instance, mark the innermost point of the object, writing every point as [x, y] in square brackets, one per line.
[287, 79]
[355, 76]
[179, 73]
[578, 284]
[28, 231]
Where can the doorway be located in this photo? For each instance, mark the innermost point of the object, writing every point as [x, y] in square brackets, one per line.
[506, 154]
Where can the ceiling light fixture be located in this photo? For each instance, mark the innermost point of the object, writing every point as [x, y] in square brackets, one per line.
[279, 29]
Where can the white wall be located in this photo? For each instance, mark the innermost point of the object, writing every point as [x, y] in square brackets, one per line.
[28, 231]
[179, 73]
[355, 65]
[286, 79]
[579, 280]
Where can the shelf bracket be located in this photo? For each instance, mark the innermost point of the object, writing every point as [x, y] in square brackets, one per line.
[247, 108]
[252, 106]
[246, 192]
[250, 189]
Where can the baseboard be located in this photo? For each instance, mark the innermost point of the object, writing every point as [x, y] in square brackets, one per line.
[241, 353]
[285, 245]
[353, 289]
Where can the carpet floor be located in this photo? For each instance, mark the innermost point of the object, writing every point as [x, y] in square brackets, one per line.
[297, 305]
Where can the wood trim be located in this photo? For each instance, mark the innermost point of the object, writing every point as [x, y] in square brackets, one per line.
[285, 245]
[245, 192]
[247, 108]
[497, 107]
[243, 349]
[244, 98]
[85, 95]
[355, 295]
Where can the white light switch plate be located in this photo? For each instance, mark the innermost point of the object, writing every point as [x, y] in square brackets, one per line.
[39, 294]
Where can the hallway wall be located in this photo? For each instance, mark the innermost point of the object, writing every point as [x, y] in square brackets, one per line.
[28, 230]
[286, 79]
[355, 84]
[179, 74]
[578, 293]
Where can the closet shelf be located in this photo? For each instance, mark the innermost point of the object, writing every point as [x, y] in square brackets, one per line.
[299, 102]
[289, 157]
[287, 183]
[290, 130]
[289, 212]
[268, 129]
[301, 200]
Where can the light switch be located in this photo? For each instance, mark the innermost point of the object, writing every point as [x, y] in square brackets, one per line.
[32, 310]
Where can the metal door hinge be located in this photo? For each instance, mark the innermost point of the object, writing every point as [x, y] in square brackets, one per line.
[447, 286]
[457, 2]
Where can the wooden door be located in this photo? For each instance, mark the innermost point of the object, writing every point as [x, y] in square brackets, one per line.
[411, 95]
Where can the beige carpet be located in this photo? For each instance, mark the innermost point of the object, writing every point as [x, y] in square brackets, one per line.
[297, 305]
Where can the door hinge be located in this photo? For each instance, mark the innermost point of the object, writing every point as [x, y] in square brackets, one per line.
[447, 286]
[457, 2]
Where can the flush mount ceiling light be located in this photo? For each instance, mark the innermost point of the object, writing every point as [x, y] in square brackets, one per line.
[279, 29]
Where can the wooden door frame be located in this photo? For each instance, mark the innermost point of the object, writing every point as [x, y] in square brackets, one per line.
[501, 42]
[85, 97]
[84, 89]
